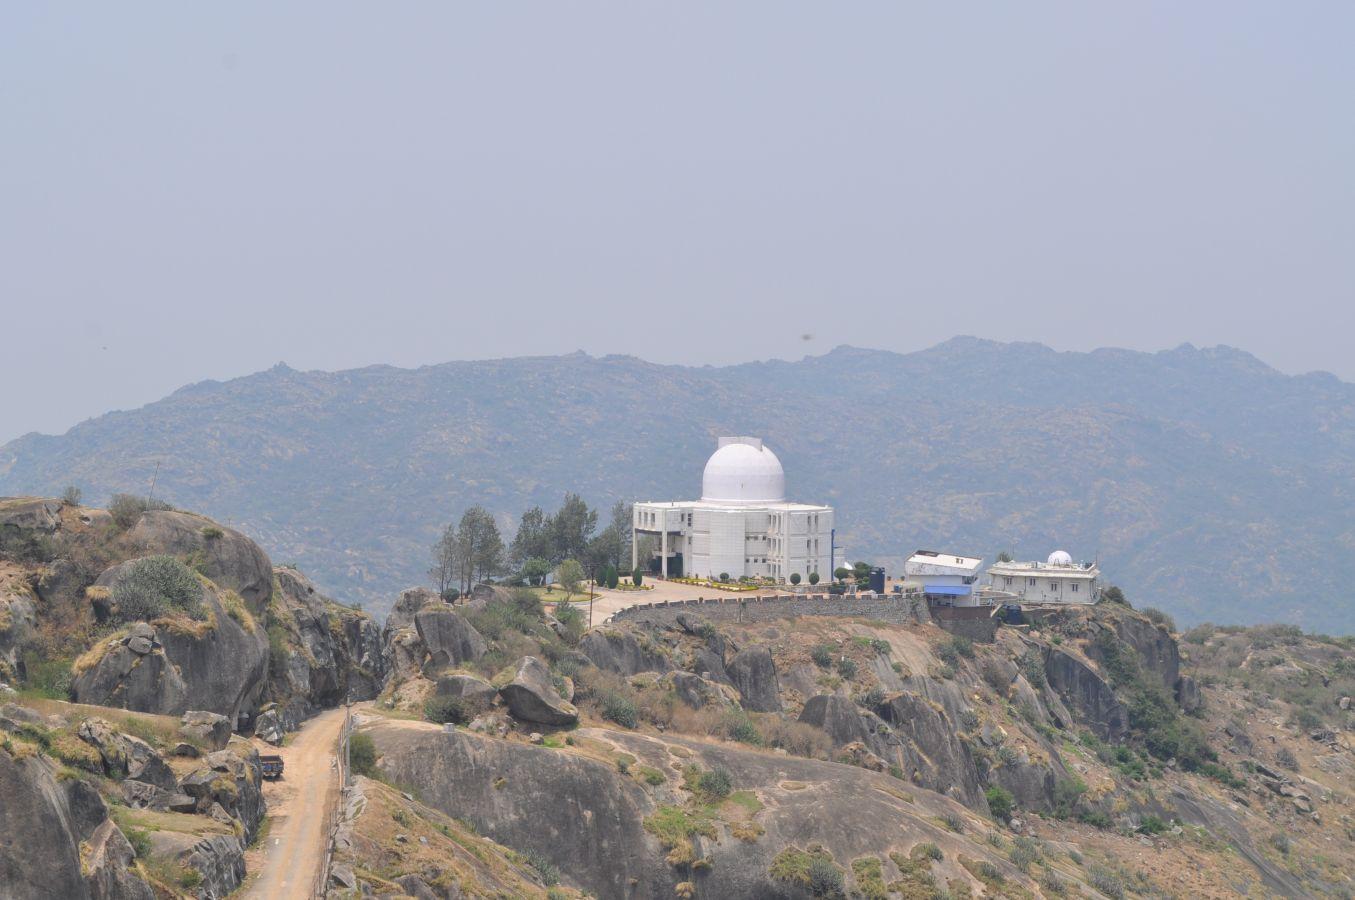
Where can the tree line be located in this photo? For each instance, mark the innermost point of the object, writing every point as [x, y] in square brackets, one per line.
[472, 550]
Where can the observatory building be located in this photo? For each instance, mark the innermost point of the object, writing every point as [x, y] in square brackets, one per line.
[742, 525]
[1056, 580]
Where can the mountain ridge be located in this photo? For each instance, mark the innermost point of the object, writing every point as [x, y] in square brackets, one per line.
[1203, 477]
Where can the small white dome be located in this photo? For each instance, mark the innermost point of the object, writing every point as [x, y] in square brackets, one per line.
[1060, 558]
[742, 470]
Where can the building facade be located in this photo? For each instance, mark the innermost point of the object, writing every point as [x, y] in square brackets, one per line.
[742, 525]
[1057, 580]
[945, 579]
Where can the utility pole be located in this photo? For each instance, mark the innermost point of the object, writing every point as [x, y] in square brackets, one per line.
[151, 496]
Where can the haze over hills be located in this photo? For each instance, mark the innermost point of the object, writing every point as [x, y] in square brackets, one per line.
[1205, 482]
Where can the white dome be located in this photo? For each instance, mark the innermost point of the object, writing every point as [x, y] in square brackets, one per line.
[743, 471]
[1059, 558]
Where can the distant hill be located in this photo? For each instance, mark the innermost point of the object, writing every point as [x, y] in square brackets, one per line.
[1206, 482]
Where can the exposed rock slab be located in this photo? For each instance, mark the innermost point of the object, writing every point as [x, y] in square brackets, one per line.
[531, 697]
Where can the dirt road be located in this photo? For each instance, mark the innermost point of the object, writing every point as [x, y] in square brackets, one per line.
[294, 847]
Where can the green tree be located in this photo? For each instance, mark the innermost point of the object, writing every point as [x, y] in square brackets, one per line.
[571, 529]
[569, 574]
[445, 553]
[535, 569]
[637, 577]
[1000, 802]
[813, 577]
[1004, 556]
[794, 577]
[533, 539]
[841, 573]
[613, 577]
[476, 548]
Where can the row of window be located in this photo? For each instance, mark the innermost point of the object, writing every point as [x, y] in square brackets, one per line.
[1073, 586]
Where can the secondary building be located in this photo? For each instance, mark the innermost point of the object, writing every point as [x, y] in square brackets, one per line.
[945, 579]
[742, 525]
[1056, 580]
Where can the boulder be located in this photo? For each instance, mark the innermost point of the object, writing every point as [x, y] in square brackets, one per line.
[409, 603]
[209, 728]
[108, 861]
[836, 715]
[268, 727]
[41, 514]
[531, 697]
[622, 652]
[1188, 694]
[709, 664]
[924, 744]
[698, 692]
[477, 693]
[18, 615]
[227, 557]
[218, 858]
[86, 806]
[448, 638]
[125, 756]
[753, 674]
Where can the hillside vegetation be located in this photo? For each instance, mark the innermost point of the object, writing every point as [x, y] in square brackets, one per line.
[1201, 478]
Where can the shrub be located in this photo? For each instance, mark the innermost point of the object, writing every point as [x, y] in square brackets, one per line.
[637, 577]
[1107, 882]
[1025, 853]
[1280, 841]
[212, 533]
[715, 784]
[1286, 758]
[1068, 795]
[362, 754]
[1152, 825]
[1112, 594]
[794, 577]
[1032, 666]
[71, 495]
[140, 840]
[822, 655]
[927, 851]
[953, 822]
[152, 586]
[127, 508]
[871, 699]
[846, 668]
[1000, 802]
[545, 869]
[724, 576]
[445, 710]
[618, 708]
[813, 577]
[825, 878]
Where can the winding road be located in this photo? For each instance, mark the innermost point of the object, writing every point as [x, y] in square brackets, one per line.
[292, 852]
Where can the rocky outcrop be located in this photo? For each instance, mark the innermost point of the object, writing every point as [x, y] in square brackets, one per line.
[622, 652]
[224, 555]
[334, 653]
[125, 756]
[216, 665]
[232, 780]
[18, 614]
[838, 716]
[218, 858]
[753, 674]
[1188, 694]
[41, 514]
[448, 639]
[595, 828]
[1088, 695]
[698, 692]
[1157, 650]
[924, 745]
[42, 826]
[409, 602]
[531, 697]
[108, 860]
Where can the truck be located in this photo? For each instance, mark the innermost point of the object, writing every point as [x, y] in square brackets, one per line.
[271, 766]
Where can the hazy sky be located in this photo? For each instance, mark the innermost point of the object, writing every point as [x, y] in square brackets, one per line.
[193, 191]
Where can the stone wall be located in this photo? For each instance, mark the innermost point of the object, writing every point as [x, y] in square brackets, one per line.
[894, 609]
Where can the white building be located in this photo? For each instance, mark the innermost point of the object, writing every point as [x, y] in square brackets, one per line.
[1056, 580]
[742, 525]
[944, 577]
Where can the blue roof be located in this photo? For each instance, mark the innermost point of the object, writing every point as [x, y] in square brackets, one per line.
[948, 590]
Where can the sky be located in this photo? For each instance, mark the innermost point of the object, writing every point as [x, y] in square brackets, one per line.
[193, 191]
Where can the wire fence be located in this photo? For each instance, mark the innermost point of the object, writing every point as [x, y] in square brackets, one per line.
[334, 812]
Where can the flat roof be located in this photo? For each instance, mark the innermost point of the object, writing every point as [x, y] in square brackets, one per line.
[950, 561]
[1033, 569]
[778, 505]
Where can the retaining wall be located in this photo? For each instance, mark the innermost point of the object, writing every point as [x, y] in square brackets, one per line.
[892, 609]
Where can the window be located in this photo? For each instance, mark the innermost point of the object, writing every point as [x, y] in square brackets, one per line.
[1074, 587]
[1032, 582]
[1008, 580]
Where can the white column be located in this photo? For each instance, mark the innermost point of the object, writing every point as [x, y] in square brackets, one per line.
[634, 549]
[663, 547]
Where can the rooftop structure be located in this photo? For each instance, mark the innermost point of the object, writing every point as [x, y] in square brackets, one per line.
[945, 577]
[1057, 580]
[742, 525]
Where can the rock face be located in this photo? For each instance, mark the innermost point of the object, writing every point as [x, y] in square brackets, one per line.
[1088, 695]
[448, 639]
[210, 728]
[333, 652]
[929, 752]
[218, 665]
[41, 828]
[1188, 694]
[531, 697]
[753, 674]
[228, 558]
[838, 716]
[18, 613]
[622, 652]
[41, 514]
